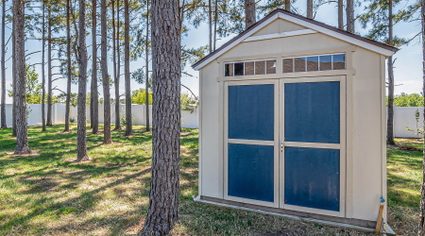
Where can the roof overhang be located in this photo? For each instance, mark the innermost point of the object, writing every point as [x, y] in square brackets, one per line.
[312, 27]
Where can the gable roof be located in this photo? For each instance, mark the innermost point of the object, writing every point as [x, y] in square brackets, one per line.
[378, 47]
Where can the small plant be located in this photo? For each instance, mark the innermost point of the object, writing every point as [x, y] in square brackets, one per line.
[72, 120]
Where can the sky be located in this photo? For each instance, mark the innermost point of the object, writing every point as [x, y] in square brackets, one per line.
[407, 71]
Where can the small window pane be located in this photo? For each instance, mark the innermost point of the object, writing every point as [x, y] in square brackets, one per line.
[271, 67]
[300, 64]
[260, 67]
[339, 62]
[288, 65]
[228, 70]
[325, 63]
[239, 69]
[249, 68]
[312, 63]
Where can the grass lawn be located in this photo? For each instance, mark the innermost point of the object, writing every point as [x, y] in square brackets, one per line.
[48, 194]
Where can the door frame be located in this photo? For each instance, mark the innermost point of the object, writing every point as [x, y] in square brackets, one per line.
[341, 146]
[274, 143]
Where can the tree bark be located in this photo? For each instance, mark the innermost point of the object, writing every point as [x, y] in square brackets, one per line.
[421, 231]
[21, 111]
[147, 67]
[3, 67]
[128, 115]
[43, 74]
[82, 84]
[49, 67]
[166, 64]
[210, 24]
[390, 121]
[105, 77]
[288, 5]
[13, 79]
[341, 14]
[310, 9]
[215, 24]
[69, 64]
[116, 77]
[350, 16]
[249, 13]
[94, 117]
[118, 72]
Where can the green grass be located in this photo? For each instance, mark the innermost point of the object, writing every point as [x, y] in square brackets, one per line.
[49, 194]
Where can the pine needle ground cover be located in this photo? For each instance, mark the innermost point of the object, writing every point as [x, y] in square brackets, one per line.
[49, 194]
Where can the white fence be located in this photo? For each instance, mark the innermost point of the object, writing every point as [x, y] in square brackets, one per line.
[407, 120]
[189, 119]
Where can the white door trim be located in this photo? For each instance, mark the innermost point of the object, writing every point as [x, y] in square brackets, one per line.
[340, 146]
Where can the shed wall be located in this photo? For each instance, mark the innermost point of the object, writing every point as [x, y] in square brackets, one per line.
[365, 115]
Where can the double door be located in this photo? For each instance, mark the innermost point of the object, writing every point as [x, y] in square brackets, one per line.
[284, 144]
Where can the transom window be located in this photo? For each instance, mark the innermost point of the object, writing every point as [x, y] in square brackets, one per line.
[314, 63]
[250, 68]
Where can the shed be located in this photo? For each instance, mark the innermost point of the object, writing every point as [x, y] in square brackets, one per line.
[293, 122]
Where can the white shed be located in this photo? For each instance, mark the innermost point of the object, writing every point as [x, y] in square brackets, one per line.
[292, 122]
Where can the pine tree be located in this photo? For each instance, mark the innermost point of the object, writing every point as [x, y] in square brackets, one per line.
[94, 100]
[128, 115]
[105, 77]
[166, 64]
[69, 65]
[249, 13]
[22, 146]
[3, 67]
[82, 84]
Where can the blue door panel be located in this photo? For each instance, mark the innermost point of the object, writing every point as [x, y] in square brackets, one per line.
[251, 112]
[312, 178]
[312, 112]
[251, 172]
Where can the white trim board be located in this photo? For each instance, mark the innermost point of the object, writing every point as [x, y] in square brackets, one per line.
[280, 35]
[314, 27]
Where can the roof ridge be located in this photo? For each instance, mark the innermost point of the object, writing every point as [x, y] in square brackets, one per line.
[300, 17]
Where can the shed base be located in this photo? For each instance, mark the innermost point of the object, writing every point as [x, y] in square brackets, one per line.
[356, 224]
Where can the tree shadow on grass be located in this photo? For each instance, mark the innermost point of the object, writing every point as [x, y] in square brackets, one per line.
[83, 203]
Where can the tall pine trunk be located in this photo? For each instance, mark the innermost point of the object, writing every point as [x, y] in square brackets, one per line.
[49, 67]
[69, 65]
[82, 84]
[116, 77]
[128, 115]
[21, 111]
[13, 79]
[166, 65]
[287, 5]
[105, 77]
[43, 74]
[341, 14]
[215, 24]
[94, 98]
[310, 9]
[422, 203]
[249, 13]
[350, 16]
[3, 67]
[118, 50]
[210, 22]
[390, 67]
[147, 67]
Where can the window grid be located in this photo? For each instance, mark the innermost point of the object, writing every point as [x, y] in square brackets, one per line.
[232, 67]
[318, 61]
